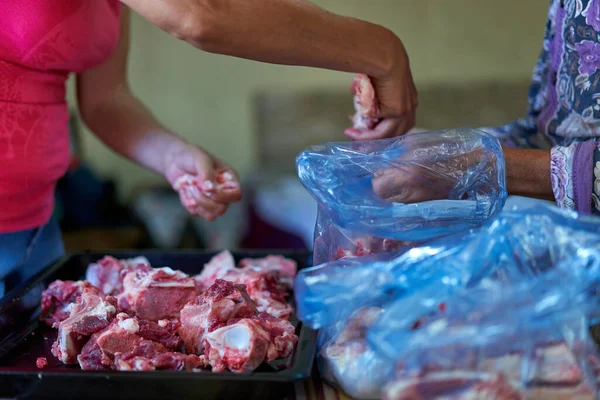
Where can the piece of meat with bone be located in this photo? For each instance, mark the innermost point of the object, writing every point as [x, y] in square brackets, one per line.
[121, 336]
[282, 336]
[107, 273]
[243, 344]
[215, 269]
[91, 313]
[151, 356]
[240, 346]
[211, 310]
[286, 268]
[456, 385]
[468, 385]
[156, 293]
[549, 364]
[225, 325]
[191, 188]
[365, 103]
[264, 289]
[349, 355]
[267, 280]
[58, 297]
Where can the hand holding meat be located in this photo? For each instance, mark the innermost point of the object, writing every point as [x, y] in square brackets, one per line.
[385, 107]
[206, 186]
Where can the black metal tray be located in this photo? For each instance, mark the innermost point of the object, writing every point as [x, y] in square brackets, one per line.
[23, 338]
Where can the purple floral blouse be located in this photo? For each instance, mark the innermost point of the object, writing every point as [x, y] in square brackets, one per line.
[564, 104]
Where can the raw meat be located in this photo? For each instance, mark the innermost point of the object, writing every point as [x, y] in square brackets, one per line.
[286, 268]
[220, 303]
[267, 280]
[243, 344]
[453, 386]
[282, 336]
[90, 314]
[466, 385]
[151, 356]
[192, 189]
[156, 315]
[365, 103]
[156, 293]
[367, 246]
[57, 299]
[41, 362]
[215, 269]
[164, 333]
[240, 346]
[120, 336]
[347, 357]
[550, 364]
[226, 326]
[107, 275]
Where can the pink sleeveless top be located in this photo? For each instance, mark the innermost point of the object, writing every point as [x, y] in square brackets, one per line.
[41, 42]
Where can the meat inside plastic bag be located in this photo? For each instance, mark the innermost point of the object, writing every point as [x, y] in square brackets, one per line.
[345, 355]
[530, 341]
[521, 275]
[408, 189]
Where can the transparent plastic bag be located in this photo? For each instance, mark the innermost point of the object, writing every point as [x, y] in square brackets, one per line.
[533, 249]
[331, 292]
[517, 245]
[525, 341]
[408, 189]
[344, 356]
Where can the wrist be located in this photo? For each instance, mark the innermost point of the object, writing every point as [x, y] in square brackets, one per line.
[528, 173]
[392, 57]
[172, 151]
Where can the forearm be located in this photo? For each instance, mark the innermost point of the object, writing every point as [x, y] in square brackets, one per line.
[528, 173]
[291, 32]
[126, 126]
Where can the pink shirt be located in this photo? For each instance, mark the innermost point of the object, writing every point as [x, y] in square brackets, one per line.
[41, 42]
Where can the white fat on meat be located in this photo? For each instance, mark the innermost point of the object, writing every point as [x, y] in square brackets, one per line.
[130, 325]
[239, 347]
[89, 315]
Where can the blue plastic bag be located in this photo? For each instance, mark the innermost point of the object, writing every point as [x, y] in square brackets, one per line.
[542, 255]
[331, 292]
[528, 340]
[372, 189]
[344, 356]
[516, 246]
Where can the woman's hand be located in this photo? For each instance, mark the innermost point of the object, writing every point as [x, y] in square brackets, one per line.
[413, 180]
[386, 106]
[206, 185]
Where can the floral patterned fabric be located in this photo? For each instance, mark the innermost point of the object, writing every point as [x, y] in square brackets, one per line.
[564, 104]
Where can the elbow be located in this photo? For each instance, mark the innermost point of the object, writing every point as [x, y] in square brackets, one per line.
[202, 28]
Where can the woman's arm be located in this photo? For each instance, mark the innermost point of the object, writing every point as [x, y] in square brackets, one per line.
[293, 32]
[122, 122]
[296, 32]
[528, 173]
[110, 110]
